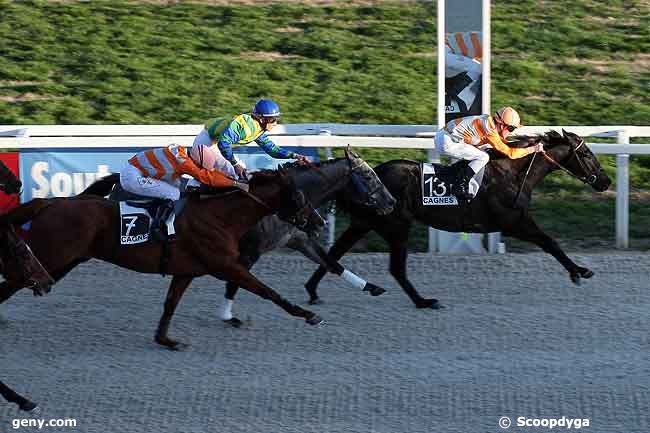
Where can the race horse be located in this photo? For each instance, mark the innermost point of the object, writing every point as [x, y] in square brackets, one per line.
[501, 204]
[320, 183]
[16, 265]
[65, 232]
[357, 181]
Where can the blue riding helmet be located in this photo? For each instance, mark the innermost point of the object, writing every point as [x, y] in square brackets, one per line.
[266, 108]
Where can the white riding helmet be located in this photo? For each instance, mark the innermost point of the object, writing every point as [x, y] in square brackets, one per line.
[510, 117]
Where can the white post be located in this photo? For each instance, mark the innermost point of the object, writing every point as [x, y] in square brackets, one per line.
[493, 238]
[433, 157]
[622, 193]
[331, 217]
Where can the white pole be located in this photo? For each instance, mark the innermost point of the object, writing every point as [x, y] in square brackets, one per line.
[486, 82]
[331, 216]
[622, 193]
[433, 234]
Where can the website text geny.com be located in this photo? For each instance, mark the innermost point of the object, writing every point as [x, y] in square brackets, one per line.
[43, 423]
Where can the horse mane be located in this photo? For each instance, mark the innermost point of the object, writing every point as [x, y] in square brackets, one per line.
[266, 175]
[550, 138]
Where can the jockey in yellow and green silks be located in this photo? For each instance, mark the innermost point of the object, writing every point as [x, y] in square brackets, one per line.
[223, 133]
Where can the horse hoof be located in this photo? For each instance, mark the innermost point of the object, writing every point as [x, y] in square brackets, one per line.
[172, 345]
[429, 303]
[29, 406]
[315, 301]
[575, 278]
[234, 322]
[586, 273]
[178, 346]
[373, 289]
[315, 320]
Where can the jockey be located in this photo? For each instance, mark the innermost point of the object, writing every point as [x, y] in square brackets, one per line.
[223, 133]
[464, 137]
[157, 173]
[463, 55]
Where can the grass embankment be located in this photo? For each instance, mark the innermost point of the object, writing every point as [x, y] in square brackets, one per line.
[578, 62]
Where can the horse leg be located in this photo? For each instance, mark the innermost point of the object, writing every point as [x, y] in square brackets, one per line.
[247, 260]
[397, 241]
[340, 247]
[238, 274]
[528, 230]
[7, 290]
[314, 252]
[13, 397]
[174, 294]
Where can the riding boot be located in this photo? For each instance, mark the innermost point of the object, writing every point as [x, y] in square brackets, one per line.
[159, 223]
[465, 175]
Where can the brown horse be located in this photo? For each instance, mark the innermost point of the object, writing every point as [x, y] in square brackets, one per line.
[15, 265]
[65, 232]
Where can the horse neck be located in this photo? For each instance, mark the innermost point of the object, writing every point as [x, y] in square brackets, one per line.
[540, 168]
[323, 182]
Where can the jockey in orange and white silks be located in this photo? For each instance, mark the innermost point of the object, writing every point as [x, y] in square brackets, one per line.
[157, 172]
[463, 139]
[463, 54]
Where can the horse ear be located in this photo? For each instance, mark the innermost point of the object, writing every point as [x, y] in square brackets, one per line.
[564, 134]
[351, 154]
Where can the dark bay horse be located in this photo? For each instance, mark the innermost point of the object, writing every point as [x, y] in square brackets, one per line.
[65, 232]
[492, 210]
[15, 266]
[363, 188]
[319, 183]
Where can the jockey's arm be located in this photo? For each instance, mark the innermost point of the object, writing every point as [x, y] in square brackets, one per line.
[214, 178]
[272, 149]
[226, 140]
[511, 152]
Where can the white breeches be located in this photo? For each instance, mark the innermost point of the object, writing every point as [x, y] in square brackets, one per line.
[456, 148]
[133, 181]
[222, 164]
[456, 64]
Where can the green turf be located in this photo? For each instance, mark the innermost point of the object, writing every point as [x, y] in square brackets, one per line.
[573, 62]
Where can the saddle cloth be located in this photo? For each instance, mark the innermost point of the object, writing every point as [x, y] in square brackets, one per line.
[438, 181]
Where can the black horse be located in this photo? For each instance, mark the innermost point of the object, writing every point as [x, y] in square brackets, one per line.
[501, 205]
[350, 175]
[9, 262]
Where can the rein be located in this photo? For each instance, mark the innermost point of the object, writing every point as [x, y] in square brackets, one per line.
[523, 183]
[584, 179]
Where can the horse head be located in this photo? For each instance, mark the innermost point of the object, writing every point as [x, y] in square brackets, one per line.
[365, 188]
[295, 208]
[569, 151]
[19, 265]
[9, 183]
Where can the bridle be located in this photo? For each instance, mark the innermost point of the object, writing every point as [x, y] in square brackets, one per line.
[589, 179]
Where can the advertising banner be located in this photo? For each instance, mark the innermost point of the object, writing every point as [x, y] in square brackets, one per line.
[67, 172]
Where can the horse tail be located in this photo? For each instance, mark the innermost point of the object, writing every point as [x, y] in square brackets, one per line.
[103, 186]
[25, 212]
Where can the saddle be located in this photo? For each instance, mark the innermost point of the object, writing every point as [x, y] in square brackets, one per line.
[439, 182]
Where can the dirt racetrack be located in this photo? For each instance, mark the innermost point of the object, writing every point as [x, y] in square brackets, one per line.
[517, 339]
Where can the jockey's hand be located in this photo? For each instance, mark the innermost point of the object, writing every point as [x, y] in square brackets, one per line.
[241, 185]
[539, 147]
[302, 159]
[240, 170]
